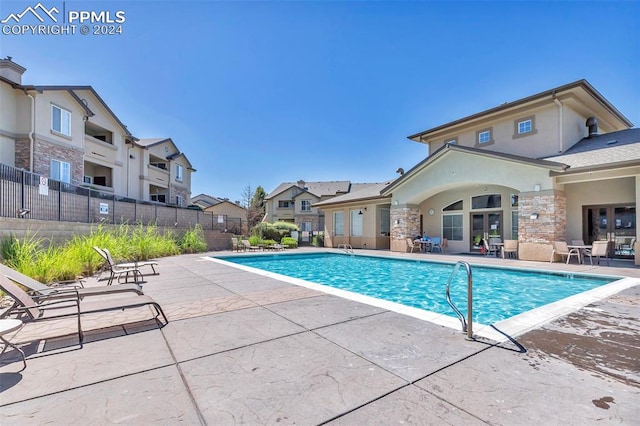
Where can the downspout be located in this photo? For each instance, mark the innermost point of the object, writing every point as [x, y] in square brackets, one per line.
[560, 122]
[33, 129]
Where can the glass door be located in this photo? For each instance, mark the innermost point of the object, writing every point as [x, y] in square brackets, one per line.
[616, 224]
[483, 226]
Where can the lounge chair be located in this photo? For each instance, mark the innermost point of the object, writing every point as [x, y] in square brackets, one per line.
[46, 292]
[125, 269]
[560, 248]
[234, 244]
[34, 309]
[106, 254]
[247, 246]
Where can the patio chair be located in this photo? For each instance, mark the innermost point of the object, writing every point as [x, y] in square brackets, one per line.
[560, 248]
[600, 249]
[413, 244]
[106, 254]
[489, 248]
[509, 248]
[247, 246]
[49, 293]
[117, 270]
[34, 309]
[436, 244]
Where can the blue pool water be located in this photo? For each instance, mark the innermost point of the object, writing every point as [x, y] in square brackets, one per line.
[498, 293]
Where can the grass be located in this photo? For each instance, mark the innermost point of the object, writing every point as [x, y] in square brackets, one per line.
[47, 262]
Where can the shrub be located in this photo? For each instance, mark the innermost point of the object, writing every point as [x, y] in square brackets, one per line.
[255, 240]
[317, 241]
[193, 240]
[289, 242]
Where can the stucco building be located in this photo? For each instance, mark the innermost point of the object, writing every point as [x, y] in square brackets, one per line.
[68, 133]
[562, 164]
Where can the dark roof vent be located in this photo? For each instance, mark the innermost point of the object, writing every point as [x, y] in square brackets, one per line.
[613, 142]
[592, 124]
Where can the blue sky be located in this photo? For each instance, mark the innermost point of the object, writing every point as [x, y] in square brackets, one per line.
[257, 93]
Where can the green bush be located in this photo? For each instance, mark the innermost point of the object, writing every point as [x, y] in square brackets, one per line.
[47, 262]
[289, 242]
[193, 240]
[255, 240]
[274, 231]
[317, 241]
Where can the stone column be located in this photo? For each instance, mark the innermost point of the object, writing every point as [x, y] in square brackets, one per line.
[542, 219]
[405, 222]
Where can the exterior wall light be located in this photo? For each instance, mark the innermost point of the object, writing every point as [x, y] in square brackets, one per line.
[533, 216]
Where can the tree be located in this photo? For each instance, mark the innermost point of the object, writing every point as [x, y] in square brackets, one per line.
[253, 201]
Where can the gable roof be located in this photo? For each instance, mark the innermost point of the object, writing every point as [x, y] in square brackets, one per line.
[583, 84]
[620, 147]
[71, 90]
[205, 200]
[359, 192]
[444, 150]
[318, 189]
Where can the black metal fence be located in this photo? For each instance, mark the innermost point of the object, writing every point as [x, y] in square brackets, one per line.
[30, 196]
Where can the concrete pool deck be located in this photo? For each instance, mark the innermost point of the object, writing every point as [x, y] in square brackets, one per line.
[245, 348]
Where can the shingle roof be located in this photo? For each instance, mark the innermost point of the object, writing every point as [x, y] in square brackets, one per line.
[359, 191]
[610, 148]
[319, 189]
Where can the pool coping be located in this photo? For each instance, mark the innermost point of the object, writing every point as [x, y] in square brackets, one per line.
[500, 331]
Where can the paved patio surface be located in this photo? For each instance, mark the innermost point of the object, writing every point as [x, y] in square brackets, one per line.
[246, 349]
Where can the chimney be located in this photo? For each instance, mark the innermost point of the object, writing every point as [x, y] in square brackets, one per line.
[592, 124]
[11, 71]
[301, 183]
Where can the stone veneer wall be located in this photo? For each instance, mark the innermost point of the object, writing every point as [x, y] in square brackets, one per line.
[314, 219]
[405, 222]
[44, 152]
[176, 190]
[535, 236]
[22, 148]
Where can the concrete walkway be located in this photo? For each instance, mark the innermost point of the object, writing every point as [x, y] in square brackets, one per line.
[243, 348]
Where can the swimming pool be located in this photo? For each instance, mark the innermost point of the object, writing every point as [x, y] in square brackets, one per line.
[499, 293]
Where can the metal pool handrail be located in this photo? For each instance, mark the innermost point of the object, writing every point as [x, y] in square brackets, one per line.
[346, 247]
[467, 326]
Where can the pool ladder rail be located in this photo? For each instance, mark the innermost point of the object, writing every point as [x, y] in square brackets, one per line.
[467, 326]
[346, 247]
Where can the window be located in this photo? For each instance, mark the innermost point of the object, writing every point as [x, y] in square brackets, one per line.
[451, 141]
[305, 205]
[453, 206]
[514, 200]
[452, 227]
[61, 170]
[514, 225]
[305, 227]
[484, 136]
[338, 223]
[356, 223]
[385, 222]
[178, 172]
[490, 201]
[60, 120]
[160, 198]
[285, 204]
[524, 126]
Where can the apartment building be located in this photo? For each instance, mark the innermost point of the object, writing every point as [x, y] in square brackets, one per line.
[69, 133]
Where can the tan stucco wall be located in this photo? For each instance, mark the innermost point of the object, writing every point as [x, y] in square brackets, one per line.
[460, 170]
[228, 209]
[433, 224]
[370, 227]
[615, 191]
